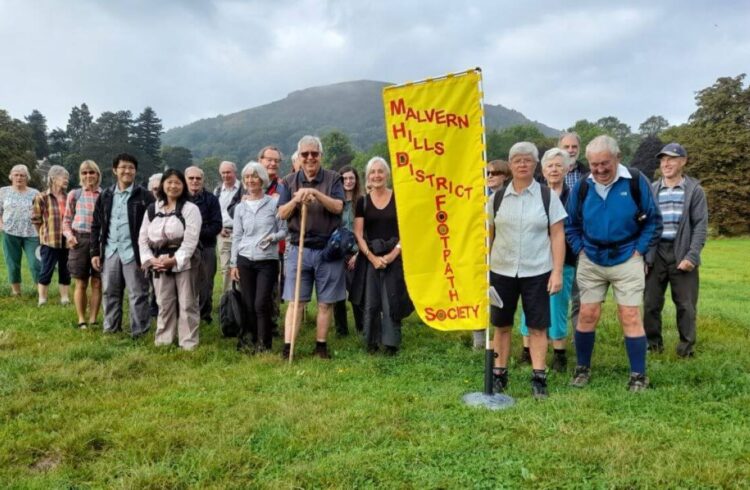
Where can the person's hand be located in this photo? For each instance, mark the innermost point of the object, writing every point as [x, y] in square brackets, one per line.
[685, 266]
[234, 274]
[305, 195]
[225, 232]
[96, 263]
[636, 253]
[554, 285]
[146, 265]
[351, 262]
[71, 241]
[168, 263]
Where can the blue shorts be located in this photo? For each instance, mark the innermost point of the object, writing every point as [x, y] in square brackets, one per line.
[329, 277]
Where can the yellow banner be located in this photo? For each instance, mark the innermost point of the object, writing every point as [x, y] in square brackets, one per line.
[436, 139]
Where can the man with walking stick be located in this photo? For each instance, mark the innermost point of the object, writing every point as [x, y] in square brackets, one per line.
[321, 192]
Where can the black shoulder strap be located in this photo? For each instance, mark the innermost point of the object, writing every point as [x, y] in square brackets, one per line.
[178, 212]
[583, 190]
[545, 201]
[635, 186]
[498, 199]
[151, 211]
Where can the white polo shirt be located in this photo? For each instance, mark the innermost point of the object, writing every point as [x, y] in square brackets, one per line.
[522, 245]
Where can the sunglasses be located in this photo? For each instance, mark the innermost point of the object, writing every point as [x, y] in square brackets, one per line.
[495, 173]
[311, 154]
[88, 172]
[195, 178]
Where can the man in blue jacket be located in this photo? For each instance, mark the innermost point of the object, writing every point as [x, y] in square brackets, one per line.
[677, 254]
[612, 222]
[211, 227]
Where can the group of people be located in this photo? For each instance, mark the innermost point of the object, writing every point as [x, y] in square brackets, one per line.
[557, 245]
[560, 245]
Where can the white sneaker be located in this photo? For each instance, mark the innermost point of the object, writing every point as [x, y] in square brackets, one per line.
[65, 301]
[42, 302]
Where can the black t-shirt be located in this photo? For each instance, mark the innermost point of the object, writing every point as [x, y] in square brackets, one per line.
[379, 223]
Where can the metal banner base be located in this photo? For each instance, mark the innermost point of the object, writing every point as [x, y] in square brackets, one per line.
[497, 401]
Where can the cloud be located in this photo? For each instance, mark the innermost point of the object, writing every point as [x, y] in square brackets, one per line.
[553, 61]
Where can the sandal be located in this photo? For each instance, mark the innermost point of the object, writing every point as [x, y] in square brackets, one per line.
[83, 326]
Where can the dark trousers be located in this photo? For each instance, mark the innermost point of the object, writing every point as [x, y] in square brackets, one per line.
[257, 280]
[684, 288]
[339, 309]
[206, 274]
[50, 258]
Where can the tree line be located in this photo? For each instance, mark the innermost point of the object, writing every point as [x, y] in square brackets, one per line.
[716, 136]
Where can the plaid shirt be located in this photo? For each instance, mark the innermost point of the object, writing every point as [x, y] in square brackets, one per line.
[78, 218]
[47, 214]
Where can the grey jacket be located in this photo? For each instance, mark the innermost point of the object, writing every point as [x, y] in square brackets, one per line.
[251, 227]
[693, 226]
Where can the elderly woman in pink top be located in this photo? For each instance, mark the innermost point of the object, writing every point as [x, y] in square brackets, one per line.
[168, 241]
[79, 213]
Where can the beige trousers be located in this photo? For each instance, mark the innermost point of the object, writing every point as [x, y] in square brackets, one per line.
[224, 248]
[178, 309]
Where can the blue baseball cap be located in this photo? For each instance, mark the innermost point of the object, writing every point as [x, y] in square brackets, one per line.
[673, 150]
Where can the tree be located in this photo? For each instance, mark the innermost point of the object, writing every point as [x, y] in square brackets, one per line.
[337, 150]
[79, 123]
[177, 157]
[587, 131]
[210, 166]
[38, 125]
[499, 142]
[653, 126]
[717, 139]
[106, 138]
[59, 146]
[621, 132]
[147, 131]
[16, 146]
[360, 159]
[644, 158]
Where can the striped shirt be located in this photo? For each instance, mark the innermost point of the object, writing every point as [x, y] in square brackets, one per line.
[47, 213]
[671, 202]
[79, 216]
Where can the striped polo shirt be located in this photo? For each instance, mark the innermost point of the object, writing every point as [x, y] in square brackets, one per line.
[671, 201]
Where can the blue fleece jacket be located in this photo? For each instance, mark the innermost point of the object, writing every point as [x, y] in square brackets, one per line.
[608, 232]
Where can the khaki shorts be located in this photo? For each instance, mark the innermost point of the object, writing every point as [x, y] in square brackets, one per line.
[627, 279]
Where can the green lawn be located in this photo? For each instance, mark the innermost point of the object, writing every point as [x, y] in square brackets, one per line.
[83, 410]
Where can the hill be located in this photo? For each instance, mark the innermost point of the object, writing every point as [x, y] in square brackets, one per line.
[354, 108]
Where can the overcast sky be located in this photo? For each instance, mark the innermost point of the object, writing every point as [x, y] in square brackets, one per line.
[556, 62]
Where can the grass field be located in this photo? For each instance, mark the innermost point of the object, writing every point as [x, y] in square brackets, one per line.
[82, 410]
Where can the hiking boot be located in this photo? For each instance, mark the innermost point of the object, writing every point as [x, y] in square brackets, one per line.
[525, 357]
[391, 350]
[321, 350]
[539, 386]
[560, 363]
[499, 382]
[684, 350]
[581, 377]
[286, 351]
[656, 347]
[638, 382]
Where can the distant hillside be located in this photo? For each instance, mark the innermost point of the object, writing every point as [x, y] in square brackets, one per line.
[355, 108]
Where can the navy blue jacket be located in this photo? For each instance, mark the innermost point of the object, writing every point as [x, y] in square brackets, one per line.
[211, 215]
[608, 232]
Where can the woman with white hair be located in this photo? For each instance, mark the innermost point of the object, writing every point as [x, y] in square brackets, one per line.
[47, 216]
[79, 214]
[555, 164]
[254, 260]
[19, 235]
[526, 261]
[378, 287]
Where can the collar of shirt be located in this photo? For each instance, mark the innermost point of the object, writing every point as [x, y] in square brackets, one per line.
[127, 190]
[303, 177]
[234, 187]
[680, 184]
[531, 189]
[622, 171]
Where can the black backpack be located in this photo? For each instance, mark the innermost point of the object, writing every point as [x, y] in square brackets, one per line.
[500, 193]
[635, 194]
[231, 313]
[151, 210]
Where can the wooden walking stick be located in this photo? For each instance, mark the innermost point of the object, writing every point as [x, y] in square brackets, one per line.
[297, 279]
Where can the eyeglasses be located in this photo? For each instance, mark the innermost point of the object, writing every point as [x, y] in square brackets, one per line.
[495, 173]
[310, 154]
[88, 172]
[126, 168]
[194, 178]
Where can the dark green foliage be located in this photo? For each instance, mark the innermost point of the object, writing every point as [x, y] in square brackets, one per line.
[147, 131]
[355, 108]
[38, 125]
[645, 159]
[211, 178]
[338, 150]
[500, 141]
[177, 157]
[16, 147]
[653, 126]
[717, 139]
[360, 160]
